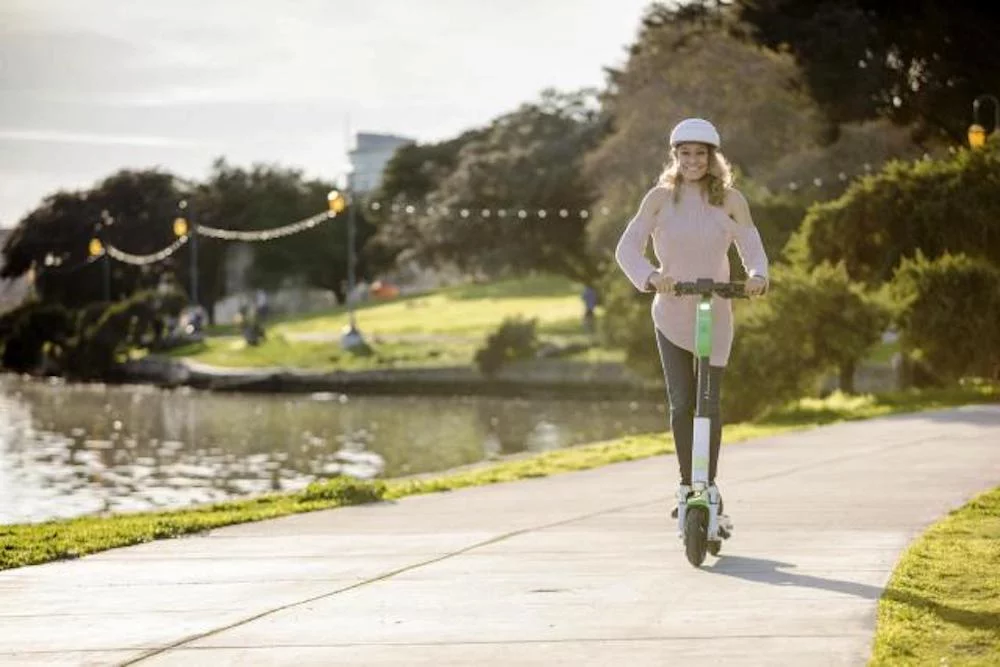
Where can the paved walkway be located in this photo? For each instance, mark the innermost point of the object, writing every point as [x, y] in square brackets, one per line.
[574, 569]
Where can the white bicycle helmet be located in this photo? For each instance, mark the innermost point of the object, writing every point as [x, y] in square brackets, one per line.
[696, 130]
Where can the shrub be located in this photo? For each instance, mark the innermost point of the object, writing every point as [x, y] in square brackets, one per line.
[29, 330]
[948, 313]
[105, 335]
[516, 338]
[343, 490]
[810, 322]
[932, 206]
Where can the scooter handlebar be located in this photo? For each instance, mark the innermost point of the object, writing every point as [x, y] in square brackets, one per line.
[708, 287]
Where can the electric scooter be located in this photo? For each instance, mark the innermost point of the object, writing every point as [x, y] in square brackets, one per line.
[698, 510]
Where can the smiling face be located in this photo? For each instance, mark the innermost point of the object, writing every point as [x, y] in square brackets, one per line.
[693, 160]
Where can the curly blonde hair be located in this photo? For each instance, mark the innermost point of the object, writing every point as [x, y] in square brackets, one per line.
[715, 183]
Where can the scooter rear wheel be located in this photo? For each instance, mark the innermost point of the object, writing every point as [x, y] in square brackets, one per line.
[714, 546]
[696, 535]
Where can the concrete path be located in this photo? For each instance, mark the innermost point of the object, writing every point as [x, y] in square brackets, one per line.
[575, 569]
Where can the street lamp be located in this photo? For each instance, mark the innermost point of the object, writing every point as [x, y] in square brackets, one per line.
[977, 133]
[337, 202]
[95, 249]
[181, 228]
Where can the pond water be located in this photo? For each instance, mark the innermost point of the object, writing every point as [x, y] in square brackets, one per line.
[74, 449]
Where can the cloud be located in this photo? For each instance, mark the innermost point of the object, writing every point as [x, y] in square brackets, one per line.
[59, 137]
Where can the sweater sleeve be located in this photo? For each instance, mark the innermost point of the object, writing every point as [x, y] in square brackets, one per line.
[630, 252]
[747, 238]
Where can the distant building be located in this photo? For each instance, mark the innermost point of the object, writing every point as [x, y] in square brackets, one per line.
[369, 158]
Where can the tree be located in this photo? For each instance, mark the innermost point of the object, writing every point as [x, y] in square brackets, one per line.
[931, 206]
[411, 175]
[527, 165]
[685, 63]
[130, 210]
[265, 197]
[821, 173]
[917, 63]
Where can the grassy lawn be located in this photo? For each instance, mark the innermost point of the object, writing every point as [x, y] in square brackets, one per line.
[443, 328]
[27, 544]
[473, 310]
[942, 605]
[278, 351]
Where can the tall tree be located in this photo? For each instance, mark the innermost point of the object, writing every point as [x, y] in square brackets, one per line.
[130, 210]
[915, 62]
[527, 165]
[687, 62]
[933, 207]
[411, 175]
[267, 197]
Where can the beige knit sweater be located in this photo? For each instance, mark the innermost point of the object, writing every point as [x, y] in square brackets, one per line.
[690, 240]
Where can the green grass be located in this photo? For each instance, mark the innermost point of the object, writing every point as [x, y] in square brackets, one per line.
[942, 604]
[28, 544]
[473, 310]
[442, 328]
[278, 351]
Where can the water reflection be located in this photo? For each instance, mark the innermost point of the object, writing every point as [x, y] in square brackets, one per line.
[68, 450]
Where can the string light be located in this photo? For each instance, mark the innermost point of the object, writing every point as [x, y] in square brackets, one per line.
[54, 264]
[265, 234]
[145, 260]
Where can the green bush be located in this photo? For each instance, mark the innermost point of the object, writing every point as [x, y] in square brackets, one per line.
[931, 206]
[344, 491]
[776, 216]
[104, 339]
[948, 313]
[811, 322]
[516, 338]
[31, 333]
[86, 343]
[627, 324]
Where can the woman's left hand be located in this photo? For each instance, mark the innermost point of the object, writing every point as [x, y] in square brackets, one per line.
[755, 286]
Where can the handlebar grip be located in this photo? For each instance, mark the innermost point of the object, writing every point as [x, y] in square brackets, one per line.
[705, 287]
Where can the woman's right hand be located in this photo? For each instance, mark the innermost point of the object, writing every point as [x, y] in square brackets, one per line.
[660, 281]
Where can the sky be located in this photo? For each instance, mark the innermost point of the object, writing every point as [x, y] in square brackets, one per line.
[87, 88]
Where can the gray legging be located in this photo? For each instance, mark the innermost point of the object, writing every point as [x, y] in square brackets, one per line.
[680, 369]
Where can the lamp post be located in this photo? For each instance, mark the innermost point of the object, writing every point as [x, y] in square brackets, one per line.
[95, 249]
[977, 133]
[337, 202]
[182, 227]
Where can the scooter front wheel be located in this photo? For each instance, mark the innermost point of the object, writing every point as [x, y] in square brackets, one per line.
[696, 535]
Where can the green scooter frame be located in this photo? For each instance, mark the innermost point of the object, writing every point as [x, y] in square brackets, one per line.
[698, 510]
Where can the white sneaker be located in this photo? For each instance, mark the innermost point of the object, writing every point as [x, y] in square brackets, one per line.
[725, 523]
